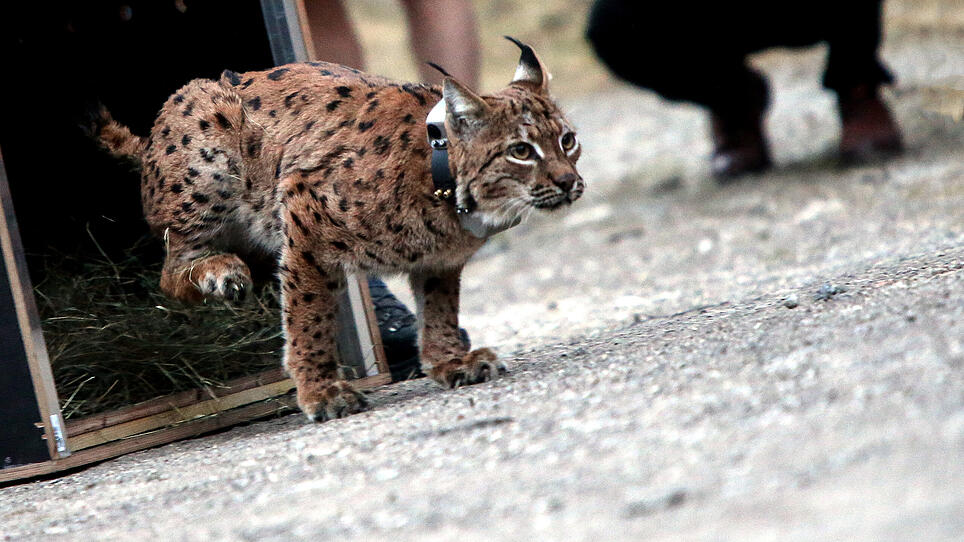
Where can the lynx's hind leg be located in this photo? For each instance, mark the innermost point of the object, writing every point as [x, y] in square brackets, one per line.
[196, 191]
[193, 273]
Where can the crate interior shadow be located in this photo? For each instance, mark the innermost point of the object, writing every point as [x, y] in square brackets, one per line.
[113, 339]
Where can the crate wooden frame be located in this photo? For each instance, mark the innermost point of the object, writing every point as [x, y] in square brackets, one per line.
[191, 413]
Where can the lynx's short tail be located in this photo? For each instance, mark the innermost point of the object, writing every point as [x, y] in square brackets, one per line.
[115, 137]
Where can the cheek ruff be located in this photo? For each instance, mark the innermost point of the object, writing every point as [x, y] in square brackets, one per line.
[445, 187]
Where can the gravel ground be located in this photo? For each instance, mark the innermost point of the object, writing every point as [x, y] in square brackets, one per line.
[781, 358]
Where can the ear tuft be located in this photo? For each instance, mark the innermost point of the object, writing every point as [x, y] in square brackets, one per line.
[530, 68]
[440, 69]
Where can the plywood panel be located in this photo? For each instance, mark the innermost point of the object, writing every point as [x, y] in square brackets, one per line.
[33, 347]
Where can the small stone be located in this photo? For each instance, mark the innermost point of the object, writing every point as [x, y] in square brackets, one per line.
[705, 245]
[655, 503]
[791, 301]
[385, 474]
[827, 291]
[668, 185]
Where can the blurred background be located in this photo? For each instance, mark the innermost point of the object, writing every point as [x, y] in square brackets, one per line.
[922, 46]
[556, 30]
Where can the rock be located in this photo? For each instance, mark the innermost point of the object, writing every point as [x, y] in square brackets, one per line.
[654, 503]
[668, 185]
[828, 291]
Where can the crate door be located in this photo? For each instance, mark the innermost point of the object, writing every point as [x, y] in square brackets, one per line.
[29, 412]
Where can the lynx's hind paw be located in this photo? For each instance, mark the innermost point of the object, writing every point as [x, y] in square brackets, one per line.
[230, 281]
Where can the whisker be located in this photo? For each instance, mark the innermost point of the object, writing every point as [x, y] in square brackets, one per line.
[508, 209]
[529, 212]
[510, 212]
[505, 210]
[520, 208]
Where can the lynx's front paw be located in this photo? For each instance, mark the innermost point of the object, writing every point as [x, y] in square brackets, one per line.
[476, 366]
[328, 400]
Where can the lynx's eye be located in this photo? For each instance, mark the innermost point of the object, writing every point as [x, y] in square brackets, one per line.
[568, 141]
[522, 151]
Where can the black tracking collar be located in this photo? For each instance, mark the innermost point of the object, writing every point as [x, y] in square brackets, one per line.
[442, 180]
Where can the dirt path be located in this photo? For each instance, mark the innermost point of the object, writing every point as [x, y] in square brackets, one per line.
[660, 387]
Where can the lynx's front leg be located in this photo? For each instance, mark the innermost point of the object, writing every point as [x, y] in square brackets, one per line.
[309, 300]
[444, 358]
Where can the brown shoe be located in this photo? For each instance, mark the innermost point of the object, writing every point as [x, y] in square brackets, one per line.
[869, 130]
[739, 144]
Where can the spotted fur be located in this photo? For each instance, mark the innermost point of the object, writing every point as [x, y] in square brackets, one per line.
[321, 168]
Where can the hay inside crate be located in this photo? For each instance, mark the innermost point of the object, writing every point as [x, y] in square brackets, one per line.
[115, 340]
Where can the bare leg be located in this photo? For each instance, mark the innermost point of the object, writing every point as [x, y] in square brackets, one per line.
[332, 34]
[444, 33]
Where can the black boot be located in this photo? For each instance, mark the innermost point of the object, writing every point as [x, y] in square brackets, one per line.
[739, 144]
[869, 130]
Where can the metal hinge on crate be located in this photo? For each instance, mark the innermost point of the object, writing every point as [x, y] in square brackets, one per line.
[60, 437]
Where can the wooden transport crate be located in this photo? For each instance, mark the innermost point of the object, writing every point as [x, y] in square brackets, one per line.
[34, 438]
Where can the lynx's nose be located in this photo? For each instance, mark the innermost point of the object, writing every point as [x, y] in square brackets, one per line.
[566, 181]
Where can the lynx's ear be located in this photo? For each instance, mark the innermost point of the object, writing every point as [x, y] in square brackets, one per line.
[530, 69]
[466, 111]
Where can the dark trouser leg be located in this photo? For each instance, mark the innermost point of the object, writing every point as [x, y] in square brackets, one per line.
[853, 33]
[681, 52]
[696, 55]
[739, 144]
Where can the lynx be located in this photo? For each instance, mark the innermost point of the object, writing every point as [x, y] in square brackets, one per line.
[319, 168]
